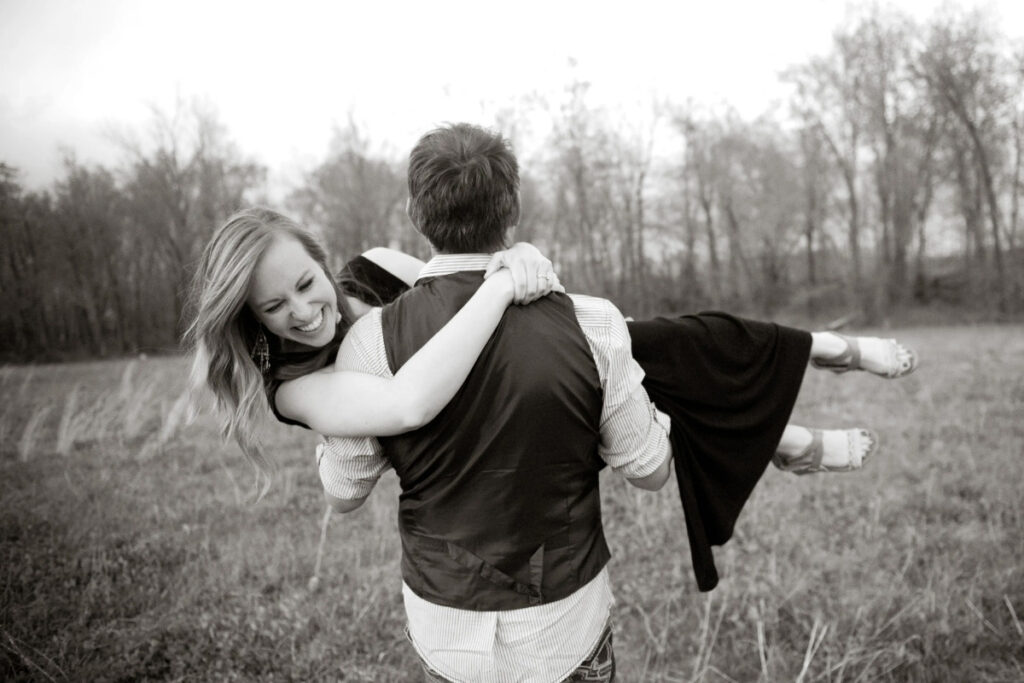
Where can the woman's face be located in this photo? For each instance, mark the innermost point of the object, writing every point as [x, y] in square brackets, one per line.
[291, 295]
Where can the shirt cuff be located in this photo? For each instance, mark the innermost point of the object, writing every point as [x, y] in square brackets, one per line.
[656, 448]
[348, 478]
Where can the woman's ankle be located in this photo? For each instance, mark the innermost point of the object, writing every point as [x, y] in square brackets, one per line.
[794, 440]
[826, 345]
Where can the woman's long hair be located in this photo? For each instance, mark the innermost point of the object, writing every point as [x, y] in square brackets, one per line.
[224, 330]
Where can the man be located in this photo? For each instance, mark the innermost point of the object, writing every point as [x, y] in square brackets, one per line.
[503, 552]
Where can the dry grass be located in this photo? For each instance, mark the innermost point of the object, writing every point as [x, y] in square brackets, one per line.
[129, 553]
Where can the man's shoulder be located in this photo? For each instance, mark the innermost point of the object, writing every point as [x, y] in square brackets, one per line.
[366, 326]
[602, 324]
[362, 336]
[593, 310]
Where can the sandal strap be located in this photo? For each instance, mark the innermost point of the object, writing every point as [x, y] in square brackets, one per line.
[807, 461]
[846, 361]
[816, 451]
[854, 350]
[850, 359]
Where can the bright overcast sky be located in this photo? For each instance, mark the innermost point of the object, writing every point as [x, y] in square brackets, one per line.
[282, 74]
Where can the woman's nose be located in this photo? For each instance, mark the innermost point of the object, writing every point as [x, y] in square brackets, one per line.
[302, 310]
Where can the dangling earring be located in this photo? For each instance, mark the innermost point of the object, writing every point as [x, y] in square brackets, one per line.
[261, 352]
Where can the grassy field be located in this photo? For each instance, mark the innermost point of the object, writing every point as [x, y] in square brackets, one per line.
[129, 550]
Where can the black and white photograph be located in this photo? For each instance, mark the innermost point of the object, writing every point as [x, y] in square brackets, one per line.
[529, 342]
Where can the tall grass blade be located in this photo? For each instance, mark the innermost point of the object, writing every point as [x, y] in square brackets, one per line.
[69, 420]
[133, 411]
[818, 632]
[27, 443]
[762, 648]
[981, 616]
[314, 581]
[173, 419]
[1013, 614]
[25, 382]
[127, 377]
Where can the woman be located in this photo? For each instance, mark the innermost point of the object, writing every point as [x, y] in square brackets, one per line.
[265, 303]
[246, 348]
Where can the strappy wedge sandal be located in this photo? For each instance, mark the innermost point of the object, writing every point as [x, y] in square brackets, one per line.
[899, 365]
[808, 461]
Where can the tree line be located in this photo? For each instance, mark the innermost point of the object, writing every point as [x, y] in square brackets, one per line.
[890, 180]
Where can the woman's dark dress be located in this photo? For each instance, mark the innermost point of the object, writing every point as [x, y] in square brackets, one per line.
[727, 383]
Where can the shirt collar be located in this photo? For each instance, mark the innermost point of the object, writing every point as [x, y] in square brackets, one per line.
[446, 264]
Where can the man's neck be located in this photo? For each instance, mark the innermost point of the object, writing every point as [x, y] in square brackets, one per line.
[452, 262]
[438, 252]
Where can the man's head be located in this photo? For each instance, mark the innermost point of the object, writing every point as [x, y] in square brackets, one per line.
[463, 189]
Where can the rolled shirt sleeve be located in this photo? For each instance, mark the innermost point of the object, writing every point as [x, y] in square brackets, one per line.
[634, 434]
[350, 467]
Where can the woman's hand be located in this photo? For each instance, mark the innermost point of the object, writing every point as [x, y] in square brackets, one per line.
[532, 273]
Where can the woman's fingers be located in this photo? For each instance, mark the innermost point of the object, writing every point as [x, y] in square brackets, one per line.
[521, 277]
[544, 278]
[496, 263]
[535, 286]
[524, 279]
[532, 274]
[551, 284]
[546, 282]
[556, 284]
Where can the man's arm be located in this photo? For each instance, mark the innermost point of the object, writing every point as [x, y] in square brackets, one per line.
[653, 449]
[342, 505]
[350, 467]
[656, 479]
[634, 434]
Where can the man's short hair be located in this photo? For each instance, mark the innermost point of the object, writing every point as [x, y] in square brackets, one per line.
[463, 188]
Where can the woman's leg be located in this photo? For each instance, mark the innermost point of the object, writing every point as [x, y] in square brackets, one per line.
[803, 450]
[826, 345]
[885, 357]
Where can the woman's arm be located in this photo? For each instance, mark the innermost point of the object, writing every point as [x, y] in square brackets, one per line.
[403, 266]
[356, 404]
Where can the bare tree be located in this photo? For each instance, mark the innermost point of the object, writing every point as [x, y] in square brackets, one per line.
[700, 170]
[902, 129]
[180, 186]
[354, 198]
[962, 67]
[829, 99]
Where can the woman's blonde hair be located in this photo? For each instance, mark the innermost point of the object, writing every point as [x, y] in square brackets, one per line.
[224, 330]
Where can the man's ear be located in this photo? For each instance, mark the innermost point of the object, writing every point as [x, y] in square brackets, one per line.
[408, 212]
[510, 236]
[510, 231]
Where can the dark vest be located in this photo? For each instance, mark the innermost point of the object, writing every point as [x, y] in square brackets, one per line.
[500, 507]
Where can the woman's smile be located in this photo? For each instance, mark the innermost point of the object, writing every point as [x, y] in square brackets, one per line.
[313, 325]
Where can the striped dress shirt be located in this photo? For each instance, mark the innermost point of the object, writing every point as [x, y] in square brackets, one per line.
[545, 642]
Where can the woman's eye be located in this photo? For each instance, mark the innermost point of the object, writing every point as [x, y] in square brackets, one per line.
[303, 286]
[272, 309]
